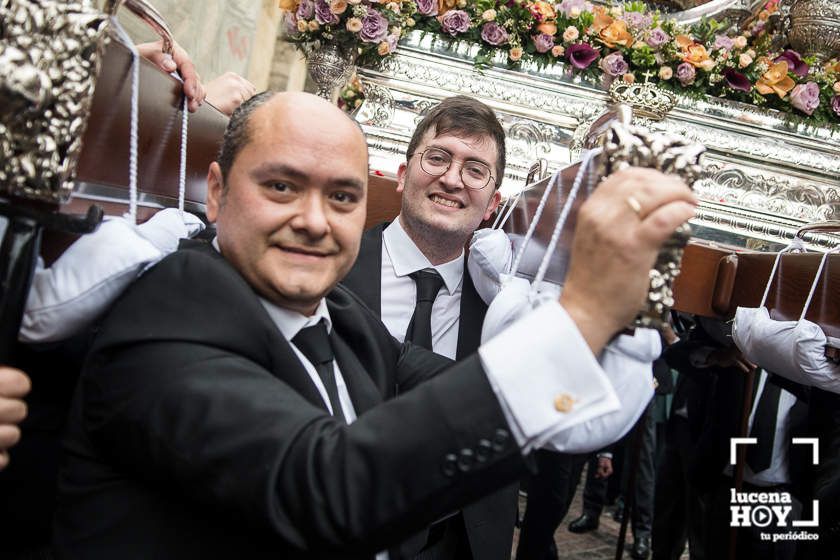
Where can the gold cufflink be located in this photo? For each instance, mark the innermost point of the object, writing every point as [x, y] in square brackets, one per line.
[564, 402]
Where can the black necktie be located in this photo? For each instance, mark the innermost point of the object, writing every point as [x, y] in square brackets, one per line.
[315, 344]
[763, 428]
[419, 330]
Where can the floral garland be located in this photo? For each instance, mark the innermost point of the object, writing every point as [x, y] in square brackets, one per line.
[625, 41]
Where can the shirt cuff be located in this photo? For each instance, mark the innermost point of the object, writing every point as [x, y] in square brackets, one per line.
[545, 376]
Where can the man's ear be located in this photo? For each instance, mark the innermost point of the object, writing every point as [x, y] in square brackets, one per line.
[401, 176]
[215, 192]
[493, 204]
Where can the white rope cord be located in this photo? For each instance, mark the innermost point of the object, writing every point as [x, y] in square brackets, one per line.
[182, 171]
[795, 245]
[816, 281]
[133, 128]
[499, 213]
[561, 220]
[531, 228]
[510, 208]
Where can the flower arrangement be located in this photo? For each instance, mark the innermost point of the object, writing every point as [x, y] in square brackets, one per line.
[626, 41]
[358, 26]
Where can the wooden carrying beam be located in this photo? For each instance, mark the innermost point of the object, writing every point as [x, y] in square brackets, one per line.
[102, 174]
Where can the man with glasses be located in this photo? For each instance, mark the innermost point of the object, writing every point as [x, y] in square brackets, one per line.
[412, 273]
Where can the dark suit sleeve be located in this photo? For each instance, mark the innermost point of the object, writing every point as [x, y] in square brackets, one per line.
[233, 438]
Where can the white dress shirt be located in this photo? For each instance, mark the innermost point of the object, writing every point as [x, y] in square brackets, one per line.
[779, 470]
[290, 323]
[527, 372]
[401, 257]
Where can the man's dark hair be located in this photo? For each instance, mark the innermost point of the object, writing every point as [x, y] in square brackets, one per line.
[463, 116]
[238, 132]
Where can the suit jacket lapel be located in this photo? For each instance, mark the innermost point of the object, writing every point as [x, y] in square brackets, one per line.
[365, 278]
[473, 309]
[286, 365]
[363, 392]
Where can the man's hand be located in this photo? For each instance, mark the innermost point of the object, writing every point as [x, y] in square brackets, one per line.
[14, 385]
[605, 468]
[229, 91]
[179, 61]
[616, 245]
[729, 357]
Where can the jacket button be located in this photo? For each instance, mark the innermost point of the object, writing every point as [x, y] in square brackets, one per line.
[500, 440]
[466, 460]
[484, 451]
[450, 465]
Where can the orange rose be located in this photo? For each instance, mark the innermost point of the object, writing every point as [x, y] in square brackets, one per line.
[692, 52]
[289, 5]
[543, 11]
[832, 66]
[446, 5]
[610, 31]
[775, 80]
[548, 27]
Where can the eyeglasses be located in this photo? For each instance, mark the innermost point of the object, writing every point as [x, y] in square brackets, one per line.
[474, 174]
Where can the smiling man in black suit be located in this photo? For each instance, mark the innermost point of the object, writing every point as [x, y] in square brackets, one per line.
[449, 184]
[236, 403]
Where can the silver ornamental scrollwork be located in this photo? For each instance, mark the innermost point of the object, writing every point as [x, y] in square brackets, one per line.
[50, 53]
[626, 146]
[525, 140]
[783, 197]
[378, 107]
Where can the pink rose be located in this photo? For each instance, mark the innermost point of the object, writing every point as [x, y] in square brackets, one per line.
[806, 97]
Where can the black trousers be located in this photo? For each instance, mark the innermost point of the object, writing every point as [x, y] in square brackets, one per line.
[679, 510]
[550, 494]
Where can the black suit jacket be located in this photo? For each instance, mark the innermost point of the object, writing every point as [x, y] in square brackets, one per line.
[490, 521]
[195, 431]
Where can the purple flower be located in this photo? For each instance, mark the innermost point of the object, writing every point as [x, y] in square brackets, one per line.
[736, 80]
[543, 42]
[566, 6]
[306, 9]
[493, 33]
[614, 64]
[806, 97]
[835, 105]
[657, 38]
[392, 41]
[686, 73]
[794, 62]
[722, 42]
[323, 15]
[374, 27]
[427, 7]
[637, 20]
[290, 22]
[581, 55]
[455, 21]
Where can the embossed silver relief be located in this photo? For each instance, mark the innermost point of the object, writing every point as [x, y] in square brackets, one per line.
[378, 107]
[626, 145]
[815, 28]
[49, 59]
[807, 202]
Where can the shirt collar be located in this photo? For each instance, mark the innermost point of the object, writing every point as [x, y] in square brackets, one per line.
[291, 322]
[407, 258]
